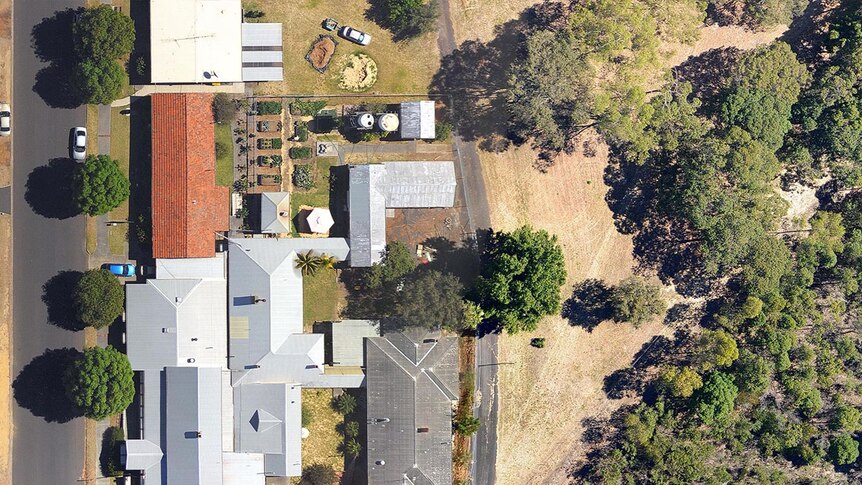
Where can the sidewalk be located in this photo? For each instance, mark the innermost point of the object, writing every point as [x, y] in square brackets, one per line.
[233, 88]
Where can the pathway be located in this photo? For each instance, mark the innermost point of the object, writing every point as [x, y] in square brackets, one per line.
[372, 149]
[233, 88]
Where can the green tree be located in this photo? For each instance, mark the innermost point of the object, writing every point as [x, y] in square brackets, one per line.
[752, 372]
[521, 280]
[762, 113]
[471, 316]
[715, 348]
[99, 298]
[98, 81]
[308, 263]
[319, 474]
[431, 299]
[397, 262]
[843, 449]
[681, 382]
[102, 33]
[99, 185]
[634, 300]
[716, 399]
[845, 418]
[466, 424]
[100, 382]
[411, 18]
[345, 404]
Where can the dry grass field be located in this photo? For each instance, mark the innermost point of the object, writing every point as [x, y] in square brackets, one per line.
[546, 395]
[403, 67]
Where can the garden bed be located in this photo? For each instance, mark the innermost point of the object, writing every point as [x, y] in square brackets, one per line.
[269, 143]
[321, 53]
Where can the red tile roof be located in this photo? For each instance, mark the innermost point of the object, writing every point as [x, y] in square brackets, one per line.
[188, 208]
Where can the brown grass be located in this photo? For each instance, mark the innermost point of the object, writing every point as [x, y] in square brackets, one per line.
[404, 67]
[323, 440]
[5, 343]
[476, 19]
[461, 445]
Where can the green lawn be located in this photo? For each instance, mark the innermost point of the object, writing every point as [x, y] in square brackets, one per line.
[317, 196]
[320, 297]
[224, 164]
[118, 235]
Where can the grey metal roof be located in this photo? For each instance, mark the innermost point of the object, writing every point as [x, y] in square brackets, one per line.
[367, 202]
[243, 468]
[176, 322]
[193, 406]
[420, 184]
[268, 419]
[191, 268]
[417, 120]
[262, 52]
[140, 454]
[346, 346]
[415, 393]
[272, 204]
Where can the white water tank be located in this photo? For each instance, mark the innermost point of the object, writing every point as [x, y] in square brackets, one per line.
[365, 121]
[388, 122]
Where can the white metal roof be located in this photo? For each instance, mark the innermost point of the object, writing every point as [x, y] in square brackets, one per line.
[262, 58]
[243, 469]
[140, 454]
[195, 268]
[417, 120]
[195, 41]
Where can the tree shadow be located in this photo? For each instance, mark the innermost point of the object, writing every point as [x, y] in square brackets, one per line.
[54, 86]
[588, 306]
[51, 38]
[459, 259]
[806, 33]
[624, 383]
[708, 73]
[57, 296]
[140, 14]
[140, 178]
[49, 189]
[109, 456]
[39, 387]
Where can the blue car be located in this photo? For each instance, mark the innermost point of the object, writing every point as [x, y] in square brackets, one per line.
[120, 269]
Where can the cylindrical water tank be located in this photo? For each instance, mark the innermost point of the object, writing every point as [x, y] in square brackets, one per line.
[388, 122]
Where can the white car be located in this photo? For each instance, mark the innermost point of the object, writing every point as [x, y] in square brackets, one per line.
[79, 143]
[5, 120]
[354, 35]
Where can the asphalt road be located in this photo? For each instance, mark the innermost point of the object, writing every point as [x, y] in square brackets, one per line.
[43, 452]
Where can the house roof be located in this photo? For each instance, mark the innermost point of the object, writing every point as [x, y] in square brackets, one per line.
[415, 393]
[268, 420]
[140, 454]
[176, 322]
[188, 208]
[272, 204]
[195, 41]
[193, 431]
[417, 120]
[375, 187]
[345, 344]
[195, 268]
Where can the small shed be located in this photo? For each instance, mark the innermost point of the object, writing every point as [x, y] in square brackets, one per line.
[345, 341]
[417, 120]
[140, 454]
[274, 212]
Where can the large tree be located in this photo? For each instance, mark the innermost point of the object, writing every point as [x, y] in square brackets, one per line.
[102, 33]
[716, 399]
[98, 298]
[431, 299]
[100, 382]
[98, 81]
[521, 278]
[411, 18]
[99, 185]
[636, 301]
[397, 262]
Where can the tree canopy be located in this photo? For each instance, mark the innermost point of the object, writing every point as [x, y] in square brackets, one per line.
[411, 18]
[431, 299]
[397, 262]
[99, 185]
[521, 278]
[102, 33]
[100, 382]
[98, 81]
[716, 398]
[634, 300]
[99, 298]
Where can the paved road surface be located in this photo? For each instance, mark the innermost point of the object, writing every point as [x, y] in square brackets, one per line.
[43, 453]
[484, 443]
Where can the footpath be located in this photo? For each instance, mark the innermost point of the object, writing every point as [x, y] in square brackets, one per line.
[5, 251]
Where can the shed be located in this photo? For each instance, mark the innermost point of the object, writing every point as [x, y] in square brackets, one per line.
[417, 120]
[262, 52]
[275, 212]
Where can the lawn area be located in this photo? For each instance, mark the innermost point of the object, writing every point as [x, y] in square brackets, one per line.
[324, 440]
[403, 67]
[224, 164]
[118, 235]
[322, 296]
[318, 196]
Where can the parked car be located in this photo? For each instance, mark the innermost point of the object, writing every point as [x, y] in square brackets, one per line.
[5, 119]
[120, 269]
[79, 143]
[354, 35]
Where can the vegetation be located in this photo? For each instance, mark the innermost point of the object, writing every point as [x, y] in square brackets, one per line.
[109, 460]
[102, 33]
[635, 301]
[306, 108]
[99, 298]
[99, 185]
[302, 177]
[299, 153]
[410, 18]
[442, 131]
[268, 107]
[319, 474]
[521, 278]
[345, 404]
[308, 263]
[466, 424]
[100, 382]
[225, 108]
[397, 262]
[98, 81]
[431, 299]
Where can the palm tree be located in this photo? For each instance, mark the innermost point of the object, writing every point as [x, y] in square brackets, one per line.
[308, 263]
[327, 261]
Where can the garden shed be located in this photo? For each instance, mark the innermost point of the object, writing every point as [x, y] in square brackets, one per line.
[417, 120]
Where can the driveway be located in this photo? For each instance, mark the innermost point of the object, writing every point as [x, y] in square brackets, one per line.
[43, 246]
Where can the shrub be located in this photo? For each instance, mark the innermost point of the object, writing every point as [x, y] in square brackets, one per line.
[345, 404]
[254, 14]
[109, 460]
[141, 65]
[224, 108]
[442, 131]
[351, 429]
[538, 342]
[302, 131]
[306, 416]
[372, 135]
[466, 424]
[275, 161]
[299, 153]
[352, 448]
[263, 160]
[268, 107]
[306, 108]
[302, 177]
[319, 474]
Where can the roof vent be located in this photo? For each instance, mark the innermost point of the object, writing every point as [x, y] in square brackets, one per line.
[191, 360]
[168, 330]
[422, 430]
[179, 299]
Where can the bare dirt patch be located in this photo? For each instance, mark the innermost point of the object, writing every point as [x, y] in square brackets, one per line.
[5, 351]
[714, 37]
[321, 52]
[359, 73]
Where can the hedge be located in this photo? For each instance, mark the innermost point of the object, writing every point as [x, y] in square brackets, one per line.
[269, 107]
[306, 108]
[299, 152]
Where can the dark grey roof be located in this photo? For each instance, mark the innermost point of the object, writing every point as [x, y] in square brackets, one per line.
[417, 120]
[367, 203]
[415, 393]
[193, 431]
